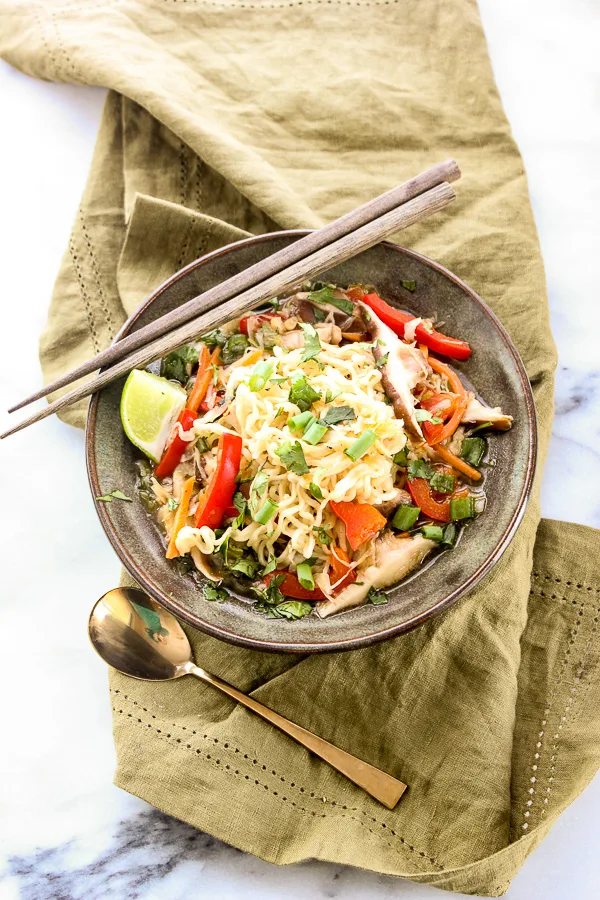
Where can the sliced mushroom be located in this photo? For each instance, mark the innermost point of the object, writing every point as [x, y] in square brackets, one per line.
[402, 367]
[394, 558]
[477, 412]
[328, 333]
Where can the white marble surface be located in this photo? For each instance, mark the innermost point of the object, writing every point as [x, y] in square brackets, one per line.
[65, 832]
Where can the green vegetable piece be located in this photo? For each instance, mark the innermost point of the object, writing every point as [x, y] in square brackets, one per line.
[405, 517]
[322, 536]
[114, 495]
[215, 339]
[326, 295]
[432, 532]
[292, 456]
[266, 512]
[239, 501]
[177, 365]
[172, 503]
[381, 361]
[260, 375]
[234, 348]
[312, 344]
[443, 484]
[320, 314]
[418, 468]
[315, 490]
[301, 421]
[481, 427]
[270, 337]
[377, 598]
[257, 489]
[270, 566]
[301, 392]
[279, 379]
[473, 450]
[211, 592]
[305, 576]
[409, 285]
[315, 432]
[202, 445]
[246, 566]
[361, 445]
[462, 508]
[290, 609]
[336, 414]
[331, 395]
[450, 534]
[401, 458]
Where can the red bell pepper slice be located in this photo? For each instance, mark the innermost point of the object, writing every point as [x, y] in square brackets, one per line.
[362, 521]
[176, 448]
[441, 406]
[221, 487]
[260, 319]
[397, 321]
[421, 493]
[291, 587]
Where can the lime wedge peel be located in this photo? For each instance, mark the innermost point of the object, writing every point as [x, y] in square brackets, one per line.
[149, 407]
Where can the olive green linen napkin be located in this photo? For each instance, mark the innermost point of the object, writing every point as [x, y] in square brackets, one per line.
[227, 118]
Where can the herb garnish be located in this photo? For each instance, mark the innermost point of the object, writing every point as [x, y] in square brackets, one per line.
[211, 592]
[172, 503]
[312, 344]
[337, 414]
[290, 609]
[114, 495]
[301, 393]
[418, 468]
[315, 490]
[257, 489]
[377, 598]
[177, 365]
[322, 536]
[326, 295]
[409, 285]
[292, 456]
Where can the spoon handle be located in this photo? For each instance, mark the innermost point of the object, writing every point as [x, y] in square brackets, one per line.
[378, 784]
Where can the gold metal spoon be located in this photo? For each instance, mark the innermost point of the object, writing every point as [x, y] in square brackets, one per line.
[135, 635]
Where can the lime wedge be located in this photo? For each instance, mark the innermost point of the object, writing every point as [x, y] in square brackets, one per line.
[149, 407]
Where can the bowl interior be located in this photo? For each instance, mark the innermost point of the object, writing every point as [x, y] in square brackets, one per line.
[494, 368]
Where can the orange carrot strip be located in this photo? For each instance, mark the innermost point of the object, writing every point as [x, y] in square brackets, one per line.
[203, 377]
[442, 369]
[181, 517]
[459, 464]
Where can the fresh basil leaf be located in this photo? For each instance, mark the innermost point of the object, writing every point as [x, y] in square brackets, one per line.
[327, 295]
[301, 393]
[418, 468]
[292, 456]
[270, 566]
[409, 285]
[211, 592]
[377, 598]
[234, 348]
[290, 609]
[246, 566]
[312, 344]
[177, 365]
[337, 414]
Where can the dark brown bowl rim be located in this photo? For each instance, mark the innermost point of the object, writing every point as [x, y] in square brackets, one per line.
[348, 643]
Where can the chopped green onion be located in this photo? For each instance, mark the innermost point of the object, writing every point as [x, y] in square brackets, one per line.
[315, 490]
[473, 450]
[450, 534]
[418, 468]
[266, 512]
[301, 421]
[361, 445]
[279, 379]
[432, 532]
[260, 375]
[314, 433]
[462, 508]
[305, 576]
[443, 484]
[202, 444]
[405, 517]
[401, 458]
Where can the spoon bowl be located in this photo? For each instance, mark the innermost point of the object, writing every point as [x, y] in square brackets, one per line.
[135, 635]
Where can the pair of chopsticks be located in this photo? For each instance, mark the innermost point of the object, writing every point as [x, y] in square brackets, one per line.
[307, 257]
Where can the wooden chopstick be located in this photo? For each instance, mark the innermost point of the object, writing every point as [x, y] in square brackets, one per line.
[445, 171]
[333, 254]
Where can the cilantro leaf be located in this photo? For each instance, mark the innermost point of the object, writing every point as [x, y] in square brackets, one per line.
[331, 395]
[380, 363]
[246, 566]
[322, 536]
[418, 468]
[114, 495]
[292, 456]
[409, 285]
[312, 344]
[337, 414]
[257, 489]
[234, 348]
[301, 393]
[239, 501]
[172, 503]
[326, 295]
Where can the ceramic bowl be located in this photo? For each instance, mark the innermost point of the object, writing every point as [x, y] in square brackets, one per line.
[500, 378]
